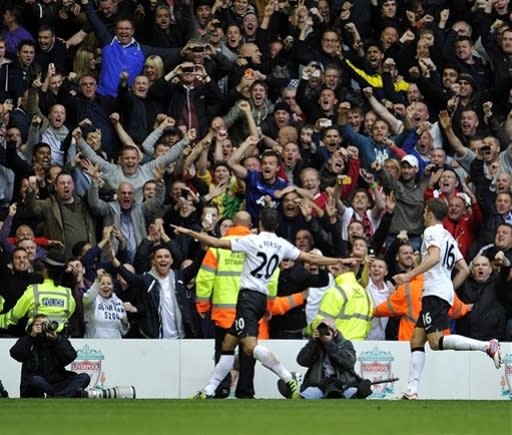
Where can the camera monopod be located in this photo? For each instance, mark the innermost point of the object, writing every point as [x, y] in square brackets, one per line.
[384, 381]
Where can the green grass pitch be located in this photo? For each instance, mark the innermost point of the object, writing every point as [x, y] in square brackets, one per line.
[267, 417]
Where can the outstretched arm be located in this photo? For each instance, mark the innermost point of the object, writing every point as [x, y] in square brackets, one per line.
[203, 238]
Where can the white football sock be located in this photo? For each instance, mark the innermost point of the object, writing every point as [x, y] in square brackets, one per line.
[268, 359]
[416, 369]
[459, 342]
[220, 371]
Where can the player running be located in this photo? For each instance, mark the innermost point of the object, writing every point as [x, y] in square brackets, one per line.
[440, 255]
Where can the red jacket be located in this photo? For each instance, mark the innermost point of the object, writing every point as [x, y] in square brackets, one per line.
[466, 229]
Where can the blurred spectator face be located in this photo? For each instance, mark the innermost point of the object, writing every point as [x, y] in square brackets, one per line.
[9, 17]
[360, 201]
[151, 72]
[251, 51]
[24, 232]
[250, 25]
[213, 214]
[275, 48]
[310, 180]
[252, 164]
[176, 190]
[422, 49]
[355, 229]
[389, 8]
[64, 187]
[233, 36]
[359, 248]
[291, 154]
[468, 122]
[405, 257]
[55, 84]
[374, 56]
[162, 261]
[464, 50]
[26, 55]
[306, 137]
[106, 286]
[290, 205]
[491, 155]
[413, 93]
[124, 31]
[355, 119]
[503, 203]
[126, 196]
[240, 6]
[57, 116]
[258, 95]
[221, 174]
[332, 139]
[203, 14]
[45, 40]
[42, 156]
[331, 78]
[465, 88]
[225, 226]
[269, 166]
[503, 182]
[325, 10]
[107, 8]
[407, 172]
[304, 240]
[369, 119]
[141, 86]
[438, 157]
[392, 168]
[388, 37]
[282, 118]
[29, 246]
[163, 18]
[161, 149]
[462, 28]
[448, 183]
[506, 41]
[14, 135]
[501, 6]
[449, 77]
[87, 86]
[129, 161]
[380, 130]
[52, 172]
[456, 208]
[20, 261]
[378, 269]
[149, 190]
[327, 100]
[481, 269]
[330, 43]
[288, 95]
[503, 238]
[424, 144]
[336, 163]
[226, 148]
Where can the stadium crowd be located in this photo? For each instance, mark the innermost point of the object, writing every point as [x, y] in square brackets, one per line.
[122, 118]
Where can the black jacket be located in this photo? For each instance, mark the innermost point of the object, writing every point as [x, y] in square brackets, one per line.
[341, 354]
[488, 318]
[43, 357]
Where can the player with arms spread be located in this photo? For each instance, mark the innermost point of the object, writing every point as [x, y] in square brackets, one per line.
[440, 255]
[263, 253]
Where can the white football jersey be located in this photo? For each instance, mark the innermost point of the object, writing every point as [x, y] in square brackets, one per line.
[263, 253]
[438, 280]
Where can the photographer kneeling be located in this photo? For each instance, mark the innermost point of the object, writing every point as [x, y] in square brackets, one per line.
[44, 355]
[330, 360]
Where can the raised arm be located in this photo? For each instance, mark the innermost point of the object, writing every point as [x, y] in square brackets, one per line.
[243, 150]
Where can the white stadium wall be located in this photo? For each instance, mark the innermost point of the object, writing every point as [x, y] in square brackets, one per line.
[177, 369]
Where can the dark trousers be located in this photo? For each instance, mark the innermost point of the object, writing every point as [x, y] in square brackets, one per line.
[245, 384]
[70, 387]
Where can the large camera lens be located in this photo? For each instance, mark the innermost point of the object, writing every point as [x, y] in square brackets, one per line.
[51, 326]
